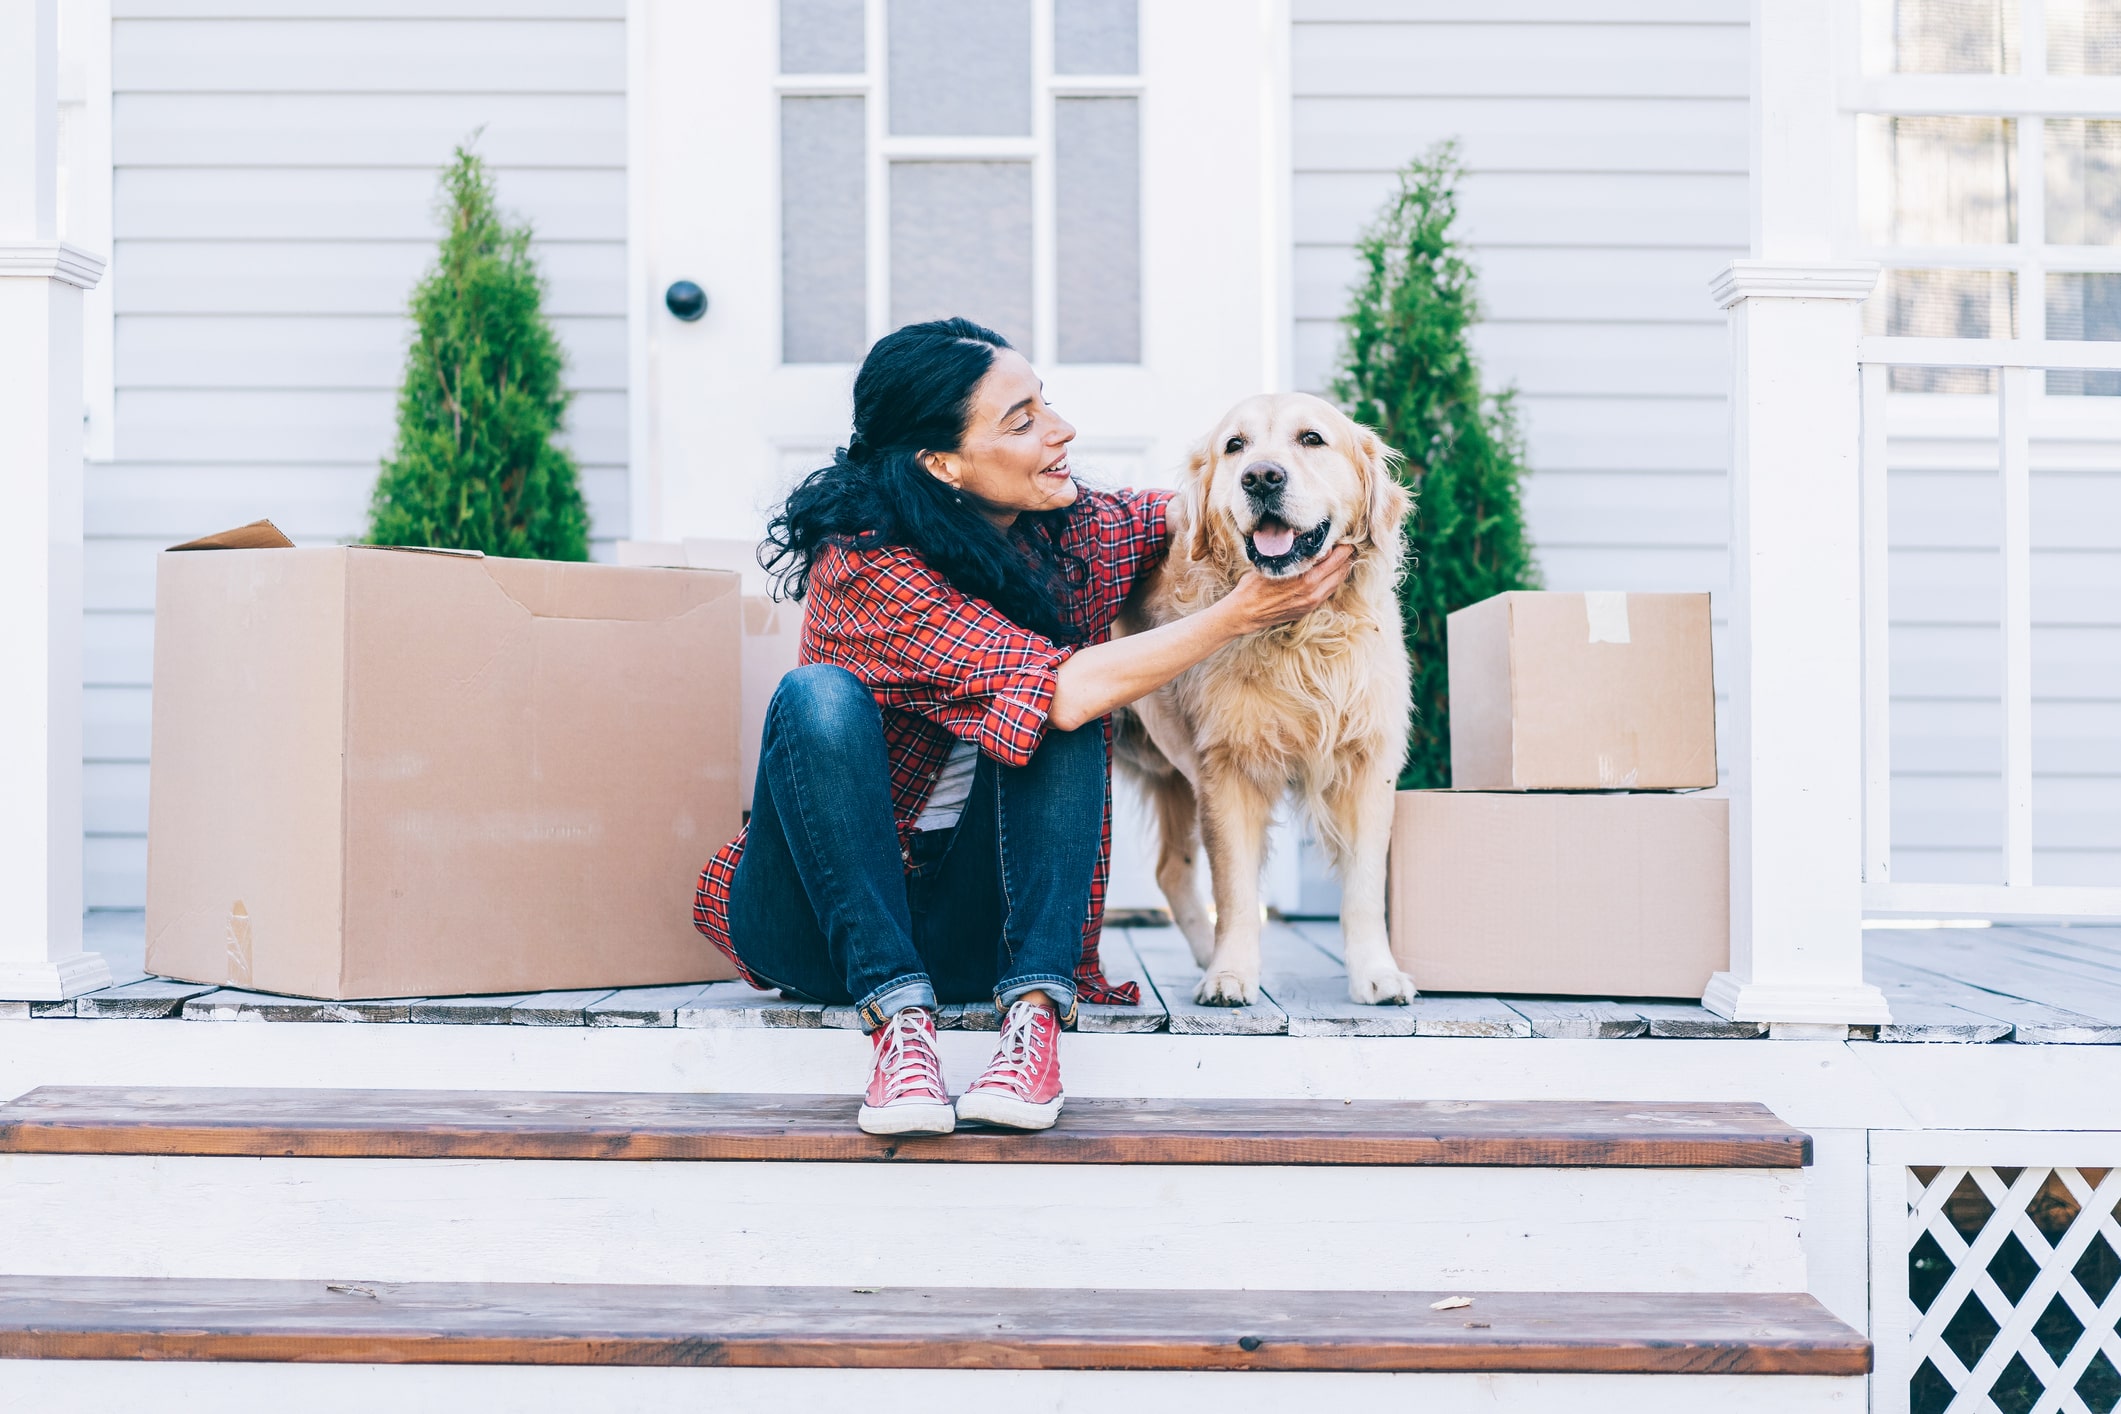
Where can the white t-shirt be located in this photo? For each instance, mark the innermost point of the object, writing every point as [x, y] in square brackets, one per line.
[953, 786]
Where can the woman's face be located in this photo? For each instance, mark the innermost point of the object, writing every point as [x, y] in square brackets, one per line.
[1014, 456]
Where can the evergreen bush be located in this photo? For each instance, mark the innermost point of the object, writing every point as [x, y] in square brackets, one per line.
[1408, 371]
[475, 466]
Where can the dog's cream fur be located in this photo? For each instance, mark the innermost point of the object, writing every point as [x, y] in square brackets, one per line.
[1319, 707]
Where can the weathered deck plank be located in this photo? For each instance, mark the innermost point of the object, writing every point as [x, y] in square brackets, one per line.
[131, 1318]
[741, 1004]
[2005, 965]
[555, 1008]
[307, 1123]
[1170, 967]
[643, 1006]
[1917, 993]
[1691, 1021]
[148, 999]
[1571, 1019]
[1123, 964]
[467, 1011]
[231, 1004]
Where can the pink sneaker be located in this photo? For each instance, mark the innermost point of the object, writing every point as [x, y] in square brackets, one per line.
[906, 1094]
[1021, 1087]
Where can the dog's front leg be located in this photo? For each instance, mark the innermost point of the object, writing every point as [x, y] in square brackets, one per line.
[1233, 816]
[1363, 813]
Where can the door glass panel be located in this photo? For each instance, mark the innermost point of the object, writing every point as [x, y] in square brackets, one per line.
[1937, 181]
[1097, 214]
[961, 244]
[2083, 181]
[1940, 36]
[1096, 37]
[1944, 304]
[960, 68]
[2086, 306]
[824, 279]
[822, 37]
[2084, 37]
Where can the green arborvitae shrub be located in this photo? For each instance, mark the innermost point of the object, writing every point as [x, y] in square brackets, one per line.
[1408, 371]
[475, 466]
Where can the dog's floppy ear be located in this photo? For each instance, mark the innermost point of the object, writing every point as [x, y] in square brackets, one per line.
[1385, 499]
[1198, 463]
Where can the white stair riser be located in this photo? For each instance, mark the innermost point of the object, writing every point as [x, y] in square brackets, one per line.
[96, 1387]
[904, 1225]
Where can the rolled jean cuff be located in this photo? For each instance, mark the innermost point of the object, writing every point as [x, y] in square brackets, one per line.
[1061, 989]
[914, 989]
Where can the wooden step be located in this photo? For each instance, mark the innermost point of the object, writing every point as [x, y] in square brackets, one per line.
[122, 1318]
[578, 1125]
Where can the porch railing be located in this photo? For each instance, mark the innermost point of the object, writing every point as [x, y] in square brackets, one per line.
[2020, 896]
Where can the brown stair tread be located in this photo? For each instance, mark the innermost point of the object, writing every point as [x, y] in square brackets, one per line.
[133, 1318]
[587, 1125]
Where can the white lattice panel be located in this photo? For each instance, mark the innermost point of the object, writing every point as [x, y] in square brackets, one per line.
[2009, 1291]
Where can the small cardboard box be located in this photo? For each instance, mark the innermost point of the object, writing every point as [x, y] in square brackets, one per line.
[1598, 691]
[384, 773]
[773, 632]
[1583, 895]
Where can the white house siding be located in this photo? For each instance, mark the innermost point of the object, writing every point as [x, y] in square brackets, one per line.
[1605, 142]
[275, 181]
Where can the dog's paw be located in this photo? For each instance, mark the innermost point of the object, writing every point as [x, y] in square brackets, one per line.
[1388, 988]
[1226, 988]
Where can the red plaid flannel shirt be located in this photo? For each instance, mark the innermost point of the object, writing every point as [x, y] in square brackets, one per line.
[945, 666]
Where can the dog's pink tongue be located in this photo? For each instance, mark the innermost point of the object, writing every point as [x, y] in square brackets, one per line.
[1274, 542]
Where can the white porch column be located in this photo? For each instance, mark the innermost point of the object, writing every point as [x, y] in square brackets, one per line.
[41, 281]
[1796, 689]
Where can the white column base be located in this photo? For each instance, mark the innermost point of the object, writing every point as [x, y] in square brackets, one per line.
[45, 981]
[1823, 1004]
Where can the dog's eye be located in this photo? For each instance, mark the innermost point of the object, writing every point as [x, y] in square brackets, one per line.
[1311, 439]
[1232, 447]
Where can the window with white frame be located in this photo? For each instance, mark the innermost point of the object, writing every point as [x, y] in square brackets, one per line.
[973, 157]
[1988, 177]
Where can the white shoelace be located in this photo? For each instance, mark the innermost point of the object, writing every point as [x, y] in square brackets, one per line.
[910, 1069]
[1019, 1051]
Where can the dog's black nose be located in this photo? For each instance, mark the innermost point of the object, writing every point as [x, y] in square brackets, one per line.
[1263, 478]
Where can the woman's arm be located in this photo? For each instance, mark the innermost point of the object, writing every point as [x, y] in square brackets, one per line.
[1106, 676]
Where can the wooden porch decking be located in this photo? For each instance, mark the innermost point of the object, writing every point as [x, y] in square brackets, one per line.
[2022, 985]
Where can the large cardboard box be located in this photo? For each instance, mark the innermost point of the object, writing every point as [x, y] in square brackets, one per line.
[773, 631]
[1583, 895]
[1600, 691]
[389, 773]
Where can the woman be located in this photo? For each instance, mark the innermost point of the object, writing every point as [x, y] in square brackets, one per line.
[930, 821]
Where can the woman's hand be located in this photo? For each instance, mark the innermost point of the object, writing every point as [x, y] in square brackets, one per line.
[1108, 675]
[1260, 603]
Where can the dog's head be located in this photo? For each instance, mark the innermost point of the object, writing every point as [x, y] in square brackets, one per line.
[1285, 477]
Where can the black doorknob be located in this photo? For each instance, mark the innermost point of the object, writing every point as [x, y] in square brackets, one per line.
[686, 300]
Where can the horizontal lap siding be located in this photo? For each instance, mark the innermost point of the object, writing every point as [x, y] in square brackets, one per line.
[274, 203]
[1605, 147]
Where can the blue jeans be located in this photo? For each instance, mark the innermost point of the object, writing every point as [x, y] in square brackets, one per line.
[822, 905]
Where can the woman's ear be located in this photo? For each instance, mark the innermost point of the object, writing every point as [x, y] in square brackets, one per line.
[1385, 499]
[1198, 463]
[943, 468]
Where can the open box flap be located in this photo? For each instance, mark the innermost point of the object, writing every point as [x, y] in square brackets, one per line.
[258, 535]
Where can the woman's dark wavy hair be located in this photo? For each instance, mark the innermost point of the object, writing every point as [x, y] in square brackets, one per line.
[913, 395]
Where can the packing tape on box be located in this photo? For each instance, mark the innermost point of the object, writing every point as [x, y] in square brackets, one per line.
[1607, 609]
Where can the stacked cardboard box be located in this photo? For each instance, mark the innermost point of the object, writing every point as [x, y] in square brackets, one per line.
[1564, 859]
[381, 772]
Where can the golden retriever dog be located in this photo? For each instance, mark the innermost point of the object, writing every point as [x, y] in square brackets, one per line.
[1318, 708]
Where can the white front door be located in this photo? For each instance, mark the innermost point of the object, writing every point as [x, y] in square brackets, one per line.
[1099, 180]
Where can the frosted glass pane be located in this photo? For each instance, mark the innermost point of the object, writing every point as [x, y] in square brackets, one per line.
[1096, 37]
[1937, 181]
[824, 279]
[1944, 304]
[1097, 235]
[961, 244]
[2084, 37]
[2084, 307]
[1941, 36]
[822, 37]
[2083, 181]
[961, 67]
